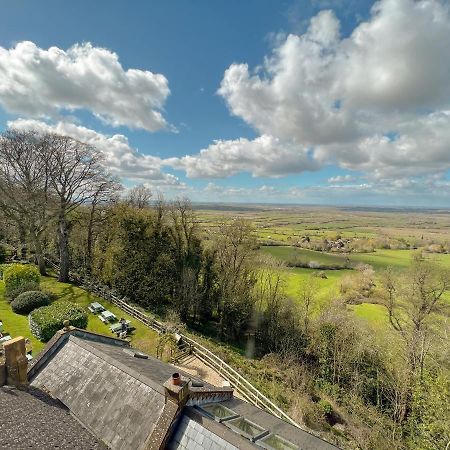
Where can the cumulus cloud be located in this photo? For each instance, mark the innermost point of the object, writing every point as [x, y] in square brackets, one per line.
[41, 83]
[120, 158]
[341, 179]
[264, 156]
[377, 100]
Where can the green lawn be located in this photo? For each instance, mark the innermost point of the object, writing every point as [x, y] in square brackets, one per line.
[327, 288]
[17, 325]
[375, 315]
[379, 259]
[290, 253]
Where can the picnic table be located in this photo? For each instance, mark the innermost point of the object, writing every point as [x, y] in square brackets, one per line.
[96, 307]
[117, 327]
[107, 316]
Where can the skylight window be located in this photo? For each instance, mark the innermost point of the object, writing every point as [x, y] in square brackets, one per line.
[275, 442]
[218, 412]
[246, 428]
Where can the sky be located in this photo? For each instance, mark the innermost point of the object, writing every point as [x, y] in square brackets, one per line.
[336, 102]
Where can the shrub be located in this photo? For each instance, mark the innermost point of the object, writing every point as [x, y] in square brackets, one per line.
[47, 320]
[25, 287]
[326, 407]
[28, 301]
[16, 275]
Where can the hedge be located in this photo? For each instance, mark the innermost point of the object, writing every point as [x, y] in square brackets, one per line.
[47, 320]
[16, 275]
[29, 301]
[25, 287]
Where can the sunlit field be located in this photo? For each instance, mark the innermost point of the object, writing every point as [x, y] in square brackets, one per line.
[283, 227]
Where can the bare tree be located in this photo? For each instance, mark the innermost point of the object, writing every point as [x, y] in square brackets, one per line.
[308, 293]
[184, 227]
[140, 196]
[104, 191]
[24, 186]
[235, 276]
[410, 300]
[75, 172]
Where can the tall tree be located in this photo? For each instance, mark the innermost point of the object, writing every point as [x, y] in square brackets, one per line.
[183, 230]
[104, 191]
[235, 277]
[75, 171]
[411, 299]
[24, 186]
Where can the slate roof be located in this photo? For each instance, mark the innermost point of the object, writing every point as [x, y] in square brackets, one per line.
[191, 434]
[119, 406]
[301, 438]
[121, 399]
[30, 418]
[196, 431]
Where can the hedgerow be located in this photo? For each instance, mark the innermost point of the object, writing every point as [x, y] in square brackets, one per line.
[16, 275]
[47, 320]
[29, 301]
[22, 288]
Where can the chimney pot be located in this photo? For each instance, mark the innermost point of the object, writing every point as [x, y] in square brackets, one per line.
[176, 380]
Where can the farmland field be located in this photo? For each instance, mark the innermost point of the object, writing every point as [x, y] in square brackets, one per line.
[280, 229]
[289, 223]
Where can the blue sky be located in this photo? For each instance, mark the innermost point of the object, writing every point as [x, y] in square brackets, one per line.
[285, 68]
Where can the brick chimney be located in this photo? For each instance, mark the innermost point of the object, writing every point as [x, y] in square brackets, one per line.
[16, 362]
[177, 389]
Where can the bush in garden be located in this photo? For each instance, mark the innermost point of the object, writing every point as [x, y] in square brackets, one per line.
[29, 301]
[16, 275]
[25, 287]
[47, 320]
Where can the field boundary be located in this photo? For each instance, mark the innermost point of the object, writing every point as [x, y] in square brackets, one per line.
[249, 392]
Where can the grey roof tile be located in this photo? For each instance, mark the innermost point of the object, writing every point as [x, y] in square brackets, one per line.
[30, 418]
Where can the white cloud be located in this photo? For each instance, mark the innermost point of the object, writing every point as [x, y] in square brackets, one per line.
[264, 156]
[120, 158]
[341, 179]
[35, 82]
[345, 98]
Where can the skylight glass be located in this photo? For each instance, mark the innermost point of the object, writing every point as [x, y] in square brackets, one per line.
[246, 428]
[217, 411]
[275, 442]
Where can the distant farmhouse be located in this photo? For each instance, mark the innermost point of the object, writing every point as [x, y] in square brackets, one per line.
[88, 391]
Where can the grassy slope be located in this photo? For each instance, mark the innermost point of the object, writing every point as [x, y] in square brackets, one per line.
[328, 288]
[287, 253]
[17, 325]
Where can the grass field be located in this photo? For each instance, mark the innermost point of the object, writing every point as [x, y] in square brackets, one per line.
[286, 253]
[379, 259]
[328, 289]
[17, 325]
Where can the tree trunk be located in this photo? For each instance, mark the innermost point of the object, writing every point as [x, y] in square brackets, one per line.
[38, 253]
[22, 250]
[63, 248]
[90, 240]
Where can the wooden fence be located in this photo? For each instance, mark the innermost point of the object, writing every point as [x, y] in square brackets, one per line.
[244, 387]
